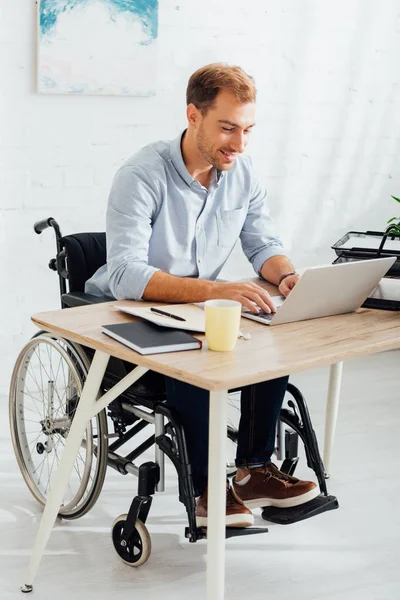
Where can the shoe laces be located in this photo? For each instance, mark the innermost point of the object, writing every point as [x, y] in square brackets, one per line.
[271, 470]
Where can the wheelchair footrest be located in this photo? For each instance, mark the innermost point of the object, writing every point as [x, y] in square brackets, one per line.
[201, 532]
[239, 531]
[287, 516]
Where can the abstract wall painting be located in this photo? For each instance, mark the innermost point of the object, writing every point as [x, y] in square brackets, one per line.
[97, 47]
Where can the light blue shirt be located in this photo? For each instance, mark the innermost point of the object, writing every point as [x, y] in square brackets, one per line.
[159, 217]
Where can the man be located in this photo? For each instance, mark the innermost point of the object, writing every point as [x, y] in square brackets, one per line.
[175, 211]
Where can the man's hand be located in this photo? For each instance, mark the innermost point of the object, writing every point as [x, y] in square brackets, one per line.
[246, 294]
[168, 288]
[288, 284]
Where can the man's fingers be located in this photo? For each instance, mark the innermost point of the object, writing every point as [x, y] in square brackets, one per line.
[249, 304]
[249, 295]
[288, 284]
[284, 289]
[266, 298]
[263, 295]
[265, 304]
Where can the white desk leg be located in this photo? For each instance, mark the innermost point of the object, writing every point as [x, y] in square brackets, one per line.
[216, 496]
[332, 407]
[84, 412]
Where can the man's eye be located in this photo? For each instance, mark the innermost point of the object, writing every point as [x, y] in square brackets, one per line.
[227, 129]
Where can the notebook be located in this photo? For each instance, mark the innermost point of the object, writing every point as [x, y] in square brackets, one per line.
[148, 338]
[194, 315]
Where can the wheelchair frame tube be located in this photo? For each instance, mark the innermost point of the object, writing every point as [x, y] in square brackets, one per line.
[159, 454]
[142, 414]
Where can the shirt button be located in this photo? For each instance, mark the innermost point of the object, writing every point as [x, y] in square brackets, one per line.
[200, 260]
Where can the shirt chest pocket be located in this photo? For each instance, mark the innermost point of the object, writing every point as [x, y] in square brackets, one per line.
[229, 225]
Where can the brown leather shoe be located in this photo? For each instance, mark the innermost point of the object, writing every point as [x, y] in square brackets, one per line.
[268, 486]
[237, 515]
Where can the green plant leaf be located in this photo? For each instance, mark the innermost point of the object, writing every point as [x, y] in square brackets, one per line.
[393, 219]
[397, 199]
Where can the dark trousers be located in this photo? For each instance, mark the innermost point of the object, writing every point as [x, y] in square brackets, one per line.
[260, 407]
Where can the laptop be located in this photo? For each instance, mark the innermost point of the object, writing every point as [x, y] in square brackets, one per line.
[327, 290]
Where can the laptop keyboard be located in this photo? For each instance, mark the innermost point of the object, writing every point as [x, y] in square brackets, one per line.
[265, 316]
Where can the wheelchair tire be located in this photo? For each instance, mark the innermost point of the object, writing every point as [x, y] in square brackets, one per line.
[137, 550]
[45, 388]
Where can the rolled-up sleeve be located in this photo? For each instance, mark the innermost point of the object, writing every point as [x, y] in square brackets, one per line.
[131, 208]
[258, 235]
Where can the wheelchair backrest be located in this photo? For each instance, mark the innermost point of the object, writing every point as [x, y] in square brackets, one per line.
[85, 253]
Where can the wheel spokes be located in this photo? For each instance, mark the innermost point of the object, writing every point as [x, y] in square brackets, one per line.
[47, 380]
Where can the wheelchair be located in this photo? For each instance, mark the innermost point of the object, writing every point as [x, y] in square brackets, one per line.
[46, 384]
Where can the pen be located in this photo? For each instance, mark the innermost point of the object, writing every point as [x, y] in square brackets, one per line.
[166, 314]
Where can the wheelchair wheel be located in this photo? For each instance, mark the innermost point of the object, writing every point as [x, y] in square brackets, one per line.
[45, 389]
[137, 550]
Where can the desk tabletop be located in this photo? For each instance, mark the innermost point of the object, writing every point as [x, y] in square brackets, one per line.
[271, 352]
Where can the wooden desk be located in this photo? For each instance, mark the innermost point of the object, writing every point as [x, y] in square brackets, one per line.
[272, 352]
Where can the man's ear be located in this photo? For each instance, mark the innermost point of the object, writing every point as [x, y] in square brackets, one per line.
[193, 115]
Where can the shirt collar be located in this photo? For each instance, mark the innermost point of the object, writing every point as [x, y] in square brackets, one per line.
[178, 162]
[177, 159]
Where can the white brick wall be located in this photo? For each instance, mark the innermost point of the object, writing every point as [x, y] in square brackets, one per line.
[327, 136]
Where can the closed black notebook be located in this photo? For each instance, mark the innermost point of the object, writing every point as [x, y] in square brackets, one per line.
[146, 338]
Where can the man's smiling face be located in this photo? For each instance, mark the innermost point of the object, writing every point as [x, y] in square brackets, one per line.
[223, 132]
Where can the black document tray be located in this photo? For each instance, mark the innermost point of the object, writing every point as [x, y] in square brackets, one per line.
[357, 245]
[386, 295]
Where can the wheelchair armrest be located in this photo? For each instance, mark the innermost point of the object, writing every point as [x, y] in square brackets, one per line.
[80, 299]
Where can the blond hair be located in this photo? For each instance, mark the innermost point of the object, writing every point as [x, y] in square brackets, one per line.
[205, 84]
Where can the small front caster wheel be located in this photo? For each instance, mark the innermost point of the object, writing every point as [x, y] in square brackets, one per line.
[137, 549]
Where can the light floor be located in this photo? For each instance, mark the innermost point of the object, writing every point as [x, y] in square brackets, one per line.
[349, 554]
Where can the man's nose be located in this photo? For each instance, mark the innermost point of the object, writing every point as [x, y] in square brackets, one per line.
[239, 143]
